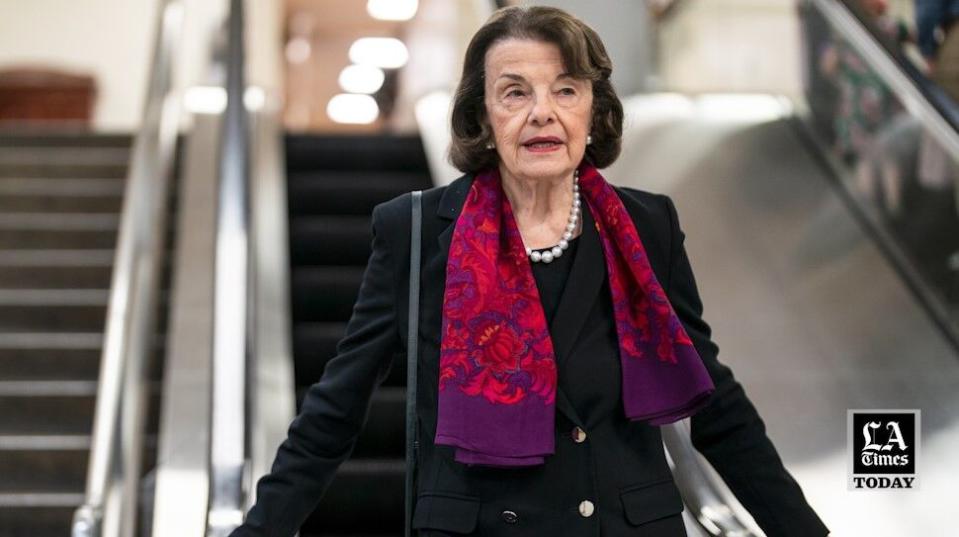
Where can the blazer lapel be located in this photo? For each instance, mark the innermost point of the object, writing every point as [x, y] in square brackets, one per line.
[579, 294]
[450, 206]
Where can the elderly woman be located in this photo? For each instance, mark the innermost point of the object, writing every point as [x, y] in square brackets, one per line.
[560, 325]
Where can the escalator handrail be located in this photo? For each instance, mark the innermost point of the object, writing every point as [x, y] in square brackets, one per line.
[930, 90]
[934, 109]
[231, 306]
[271, 374]
[113, 471]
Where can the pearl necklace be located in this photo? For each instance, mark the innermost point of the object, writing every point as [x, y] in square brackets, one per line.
[574, 213]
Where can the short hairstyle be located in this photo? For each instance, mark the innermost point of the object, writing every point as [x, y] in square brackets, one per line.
[584, 57]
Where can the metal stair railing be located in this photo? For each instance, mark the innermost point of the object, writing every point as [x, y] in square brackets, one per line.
[113, 475]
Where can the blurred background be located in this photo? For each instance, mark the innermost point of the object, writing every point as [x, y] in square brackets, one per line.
[185, 192]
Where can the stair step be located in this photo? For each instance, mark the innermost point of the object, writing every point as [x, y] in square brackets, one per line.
[325, 293]
[62, 222]
[66, 310]
[47, 388]
[63, 257]
[57, 407]
[314, 343]
[361, 487]
[385, 432]
[85, 187]
[330, 240]
[355, 152]
[24, 364]
[63, 138]
[55, 276]
[59, 356]
[61, 195]
[55, 170]
[63, 364]
[50, 340]
[64, 156]
[43, 466]
[67, 231]
[38, 512]
[333, 192]
[59, 269]
[37, 520]
[52, 463]
[26, 310]
[41, 499]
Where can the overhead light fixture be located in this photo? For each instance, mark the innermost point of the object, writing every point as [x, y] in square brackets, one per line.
[352, 108]
[385, 52]
[361, 79]
[392, 10]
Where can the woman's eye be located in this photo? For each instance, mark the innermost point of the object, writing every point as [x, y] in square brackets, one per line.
[514, 93]
[568, 91]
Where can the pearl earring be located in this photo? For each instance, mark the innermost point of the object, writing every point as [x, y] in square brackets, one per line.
[489, 145]
[589, 139]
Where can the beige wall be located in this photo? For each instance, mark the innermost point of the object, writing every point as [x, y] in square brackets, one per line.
[731, 46]
[106, 38]
[113, 40]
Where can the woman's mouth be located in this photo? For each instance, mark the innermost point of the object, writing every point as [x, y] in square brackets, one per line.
[542, 146]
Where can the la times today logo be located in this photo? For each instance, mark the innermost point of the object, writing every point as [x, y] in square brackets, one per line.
[883, 448]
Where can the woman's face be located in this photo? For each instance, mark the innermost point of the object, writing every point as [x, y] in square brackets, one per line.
[539, 116]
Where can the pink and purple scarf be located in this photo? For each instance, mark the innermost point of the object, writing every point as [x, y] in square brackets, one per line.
[497, 377]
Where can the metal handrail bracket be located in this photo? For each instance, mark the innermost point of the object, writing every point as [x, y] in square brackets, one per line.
[113, 473]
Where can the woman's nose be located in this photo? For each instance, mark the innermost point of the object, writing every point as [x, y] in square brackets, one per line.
[543, 110]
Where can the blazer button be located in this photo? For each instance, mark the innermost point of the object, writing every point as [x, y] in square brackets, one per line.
[510, 517]
[579, 435]
[586, 508]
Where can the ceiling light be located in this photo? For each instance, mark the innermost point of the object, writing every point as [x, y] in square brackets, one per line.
[361, 79]
[392, 10]
[351, 108]
[386, 52]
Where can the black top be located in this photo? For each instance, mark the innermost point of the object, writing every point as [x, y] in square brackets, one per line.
[551, 278]
[593, 382]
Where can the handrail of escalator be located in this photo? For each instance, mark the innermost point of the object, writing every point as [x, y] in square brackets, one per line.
[937, 98]
[938, 114]
[113, 473]
[231, 334]
[701, 492]
[704, 497]
[272, 397]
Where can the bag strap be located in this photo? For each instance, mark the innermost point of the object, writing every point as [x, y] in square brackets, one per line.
[412, 444]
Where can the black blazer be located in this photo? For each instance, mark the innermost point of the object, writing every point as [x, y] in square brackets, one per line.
[620, 467]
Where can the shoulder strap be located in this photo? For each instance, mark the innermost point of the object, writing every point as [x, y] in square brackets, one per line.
[412, 444]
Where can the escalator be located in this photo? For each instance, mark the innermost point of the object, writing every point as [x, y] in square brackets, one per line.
[333, 184]
[829, 280]
[809, 306]
[61, 197]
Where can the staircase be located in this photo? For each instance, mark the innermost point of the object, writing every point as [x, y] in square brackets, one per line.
[60, 202]
[334, 183]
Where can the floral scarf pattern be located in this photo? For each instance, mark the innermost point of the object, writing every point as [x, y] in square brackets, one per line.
[498, 376]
